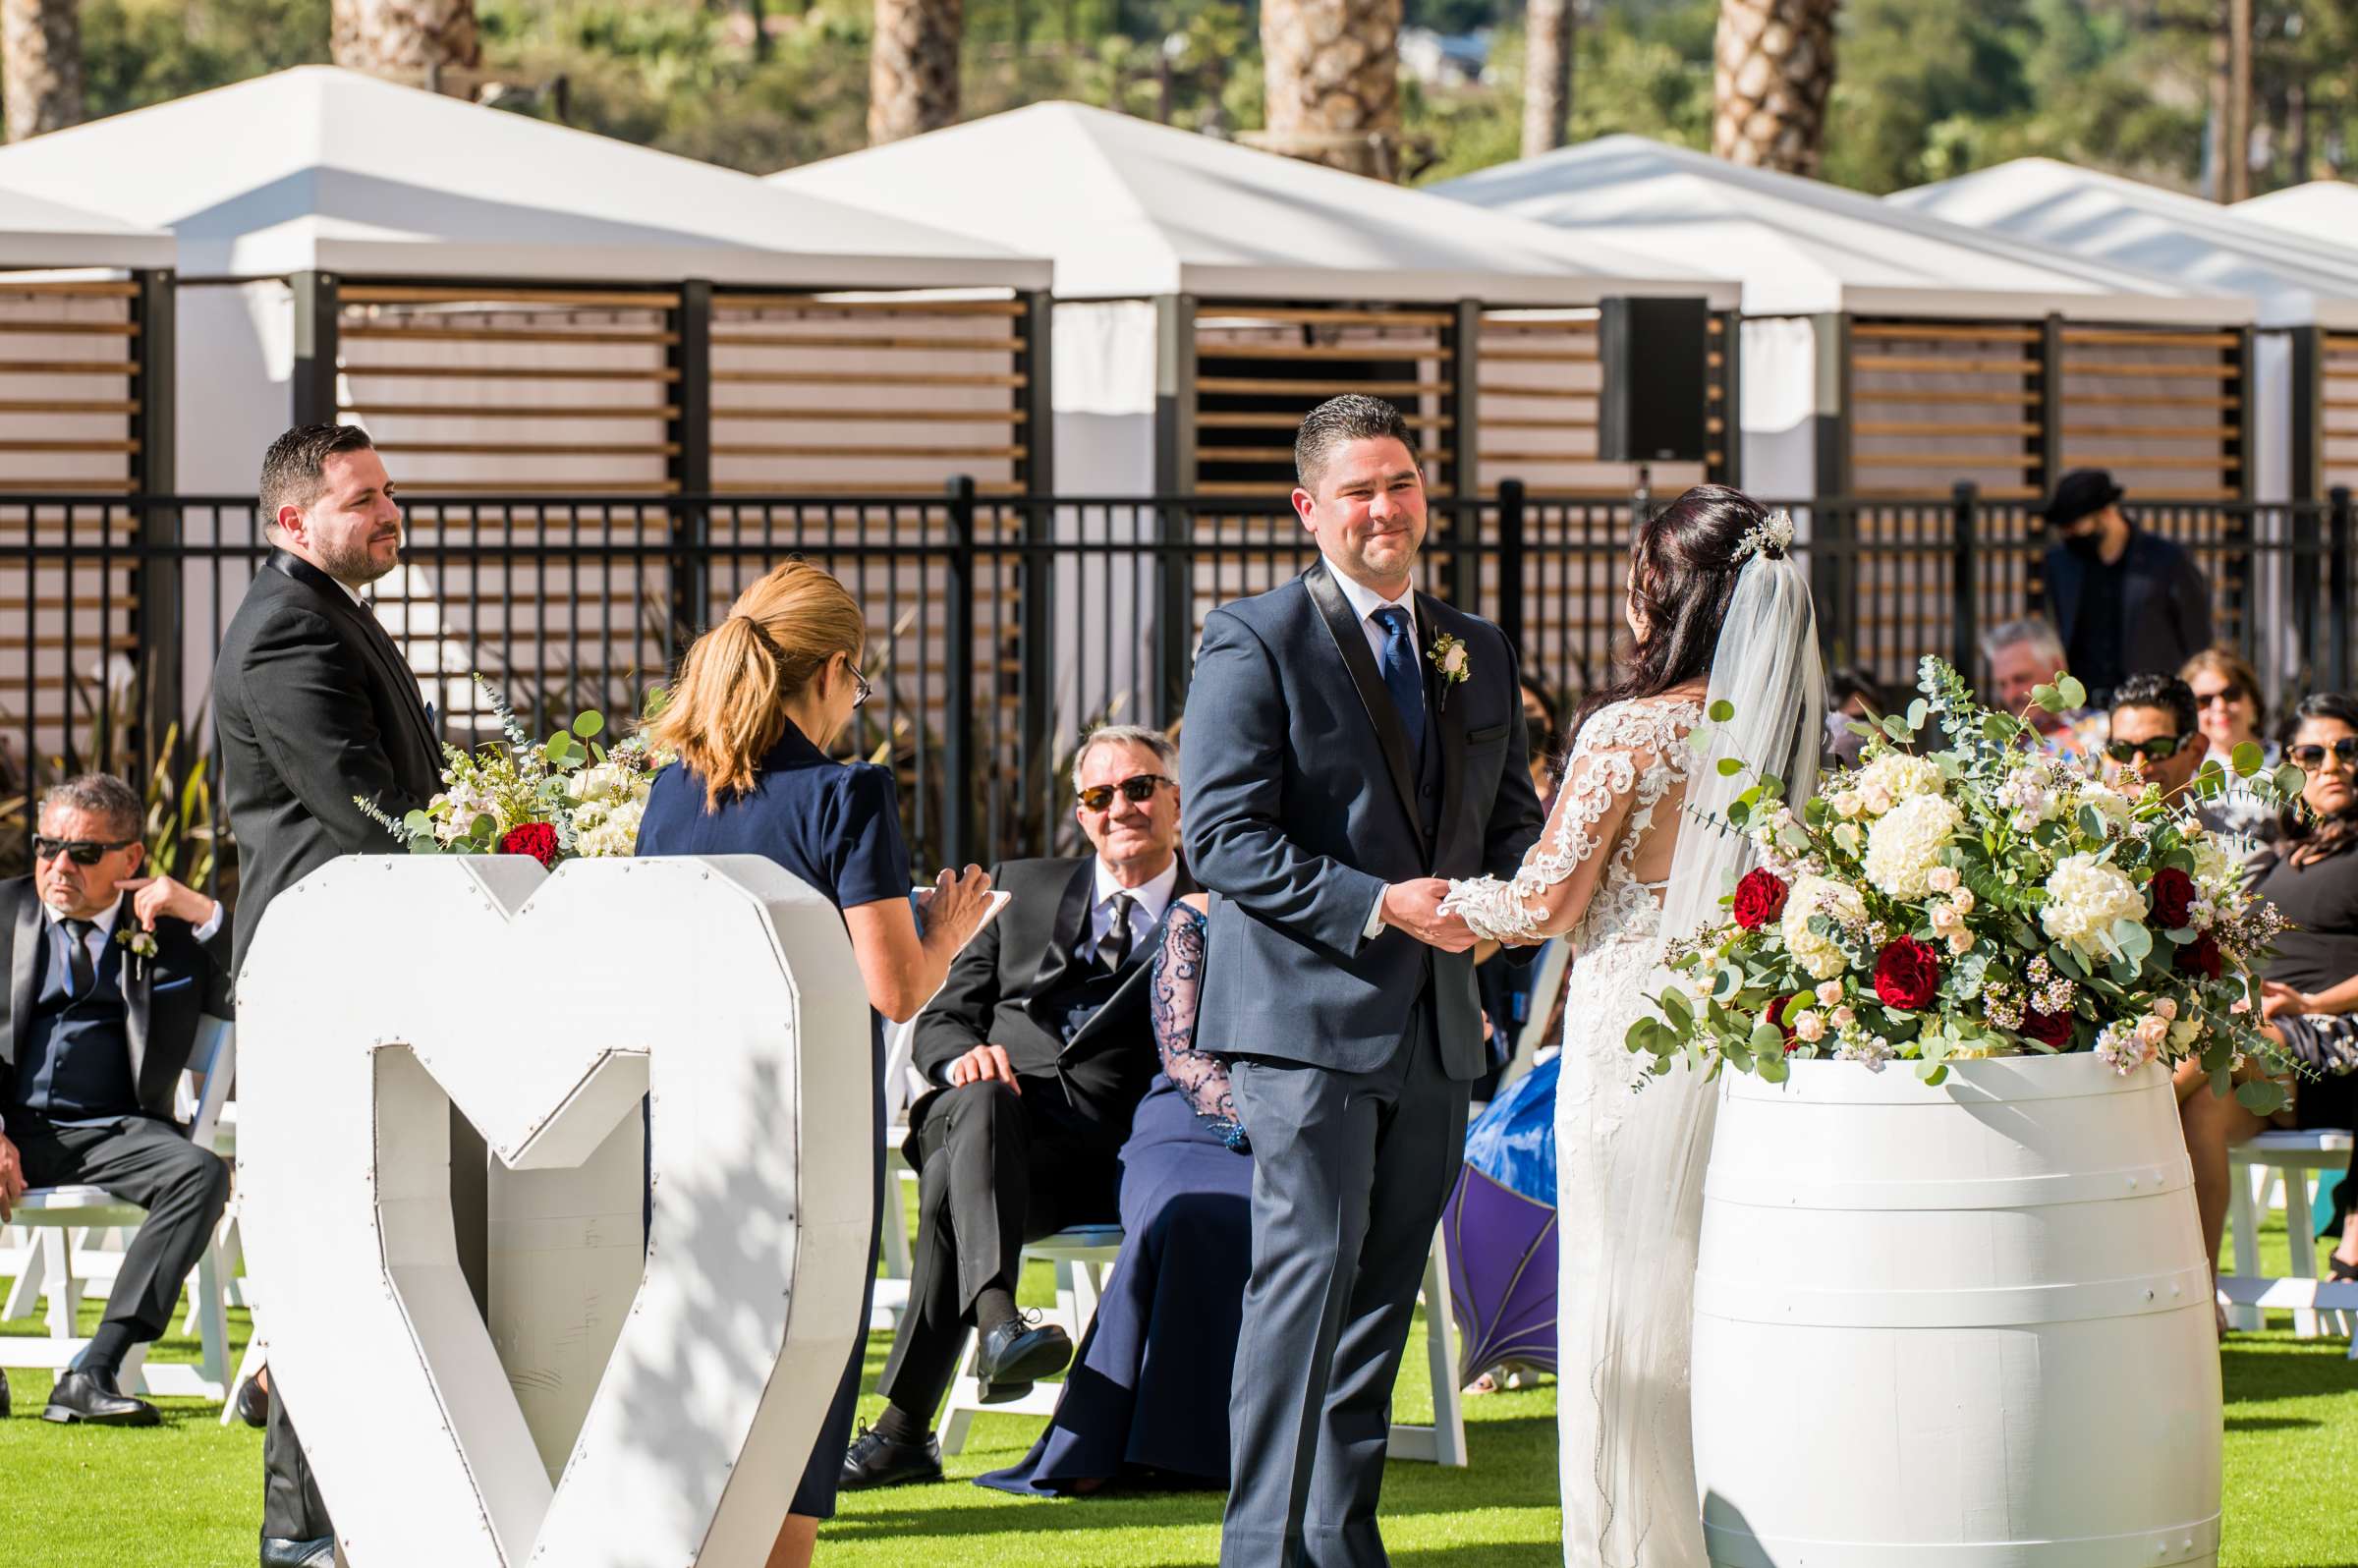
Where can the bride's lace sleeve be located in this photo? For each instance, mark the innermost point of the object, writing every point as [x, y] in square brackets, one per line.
[1200, 1077]
[1619, 756]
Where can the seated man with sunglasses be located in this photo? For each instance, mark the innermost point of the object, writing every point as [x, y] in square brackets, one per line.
[111, 972]
[2156, 733]
[1041, 1046]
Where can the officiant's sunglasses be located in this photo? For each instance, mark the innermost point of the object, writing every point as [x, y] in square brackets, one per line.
[2159, 749]
[2306, 758]
[81, 851]
[1137, 788]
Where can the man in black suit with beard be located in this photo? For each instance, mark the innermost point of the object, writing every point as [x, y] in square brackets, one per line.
[109, 974]
[1042, 1044]
[315, 707]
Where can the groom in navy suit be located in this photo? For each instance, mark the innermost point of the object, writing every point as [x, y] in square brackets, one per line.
[1350, 745]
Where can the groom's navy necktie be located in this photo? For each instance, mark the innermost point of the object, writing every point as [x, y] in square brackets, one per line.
[1400, 674]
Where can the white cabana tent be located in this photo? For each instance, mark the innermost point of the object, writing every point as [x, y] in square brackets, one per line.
[2323, 210]
[1188, 265]
[2323, 213]
[519, 310]
[1882, 349]
[2305, 287]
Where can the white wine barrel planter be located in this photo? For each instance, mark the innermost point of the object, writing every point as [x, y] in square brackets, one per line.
[1964, 1326]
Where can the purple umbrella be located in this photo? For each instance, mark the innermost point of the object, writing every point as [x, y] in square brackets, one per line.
[1499, 1231]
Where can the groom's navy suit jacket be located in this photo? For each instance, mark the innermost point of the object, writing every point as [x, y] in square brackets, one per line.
[1304, 800]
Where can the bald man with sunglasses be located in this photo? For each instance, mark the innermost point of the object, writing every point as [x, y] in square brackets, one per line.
[1039, 1046]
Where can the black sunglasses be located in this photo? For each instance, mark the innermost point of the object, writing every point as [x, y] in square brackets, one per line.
[2159, 749]
[81, 851]
[2306, 758]
[1138, 789]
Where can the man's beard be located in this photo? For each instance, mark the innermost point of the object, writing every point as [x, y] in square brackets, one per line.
[351, 564]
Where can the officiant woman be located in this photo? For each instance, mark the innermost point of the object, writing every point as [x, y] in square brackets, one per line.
[758, 703]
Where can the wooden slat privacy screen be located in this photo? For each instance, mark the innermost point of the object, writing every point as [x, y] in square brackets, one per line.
[2339, 410]
[69, 405]
[1537, 410]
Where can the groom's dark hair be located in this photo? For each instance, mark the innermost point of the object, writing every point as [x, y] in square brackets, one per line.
[295, 469]
[1353, 417]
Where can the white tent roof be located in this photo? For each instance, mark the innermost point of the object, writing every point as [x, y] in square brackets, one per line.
[329, 170]
[2196, 243]
[2325, 210]
[1134, 209]
[1804, 246]
[37, 233]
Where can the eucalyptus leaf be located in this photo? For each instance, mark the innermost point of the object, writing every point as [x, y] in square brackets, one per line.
[2248, 759]
[1865, 732]
[1677, 1009]
[1898, 727]
[2290, 780]
[2048, 697]
[483, 828]
[1768, 1041]
[588, 723]
[1918, 711]
[418, 823]
[1772, 1068]
[2260, 1097]
[1722, 710]
[2074, 695]
[2134, 940]
[1731, 766]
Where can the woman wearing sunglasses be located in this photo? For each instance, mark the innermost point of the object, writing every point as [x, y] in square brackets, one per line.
[2309, 988]
[2231, 713]
[758, 701]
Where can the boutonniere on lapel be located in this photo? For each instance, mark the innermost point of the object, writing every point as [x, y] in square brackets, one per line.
[1450, 658]
[139, 944]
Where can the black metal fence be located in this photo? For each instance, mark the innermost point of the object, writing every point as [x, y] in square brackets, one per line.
[1000, 628]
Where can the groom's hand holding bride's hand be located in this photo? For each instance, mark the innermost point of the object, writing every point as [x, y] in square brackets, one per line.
[1416, 907]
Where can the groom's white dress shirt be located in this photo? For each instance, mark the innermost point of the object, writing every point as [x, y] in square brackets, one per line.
[1364, 602]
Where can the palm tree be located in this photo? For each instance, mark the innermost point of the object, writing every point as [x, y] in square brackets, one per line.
[1333, 89]
[1547, 74]
[913, 66]
[41, 42]
[425, 43]
[1774, 65]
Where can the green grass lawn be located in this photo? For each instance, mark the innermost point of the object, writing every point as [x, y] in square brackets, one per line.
[188, 1494]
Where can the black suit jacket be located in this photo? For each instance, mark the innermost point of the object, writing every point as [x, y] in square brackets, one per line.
[998, 986]
[166, 994]
[1302, 804]
[314, 706]
[2165, 610]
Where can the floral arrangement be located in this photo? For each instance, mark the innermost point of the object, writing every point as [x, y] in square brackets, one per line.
[553, 800]
[1986, 898]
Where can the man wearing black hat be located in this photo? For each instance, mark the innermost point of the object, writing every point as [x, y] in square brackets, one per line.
[2127, 602]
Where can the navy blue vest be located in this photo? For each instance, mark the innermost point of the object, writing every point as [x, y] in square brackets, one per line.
[76, 1062]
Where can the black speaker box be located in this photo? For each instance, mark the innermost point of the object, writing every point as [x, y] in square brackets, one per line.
[1656, 355]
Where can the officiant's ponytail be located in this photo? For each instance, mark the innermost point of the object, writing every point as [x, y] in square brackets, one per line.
[727, 706]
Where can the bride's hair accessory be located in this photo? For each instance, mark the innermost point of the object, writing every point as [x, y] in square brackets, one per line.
[1772, 538]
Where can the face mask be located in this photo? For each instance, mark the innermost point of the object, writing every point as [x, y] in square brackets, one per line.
[2089, 546]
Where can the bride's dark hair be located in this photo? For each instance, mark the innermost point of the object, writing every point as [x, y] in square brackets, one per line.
[1684, 566]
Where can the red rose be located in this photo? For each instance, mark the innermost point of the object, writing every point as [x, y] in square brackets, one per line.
[2202, 957]
[1776, 1014]
[1907, 973]
[2047, 1029]
[2172, 891]
[536, 839]
[1759, 898]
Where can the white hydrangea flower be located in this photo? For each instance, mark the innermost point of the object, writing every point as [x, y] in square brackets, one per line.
[2117, 809]
[1904, 847]
[2084, 897]
[1819, 895]
[1897, 777]
[2214, 871]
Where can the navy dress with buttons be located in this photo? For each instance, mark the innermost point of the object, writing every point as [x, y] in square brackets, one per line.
[835, 826]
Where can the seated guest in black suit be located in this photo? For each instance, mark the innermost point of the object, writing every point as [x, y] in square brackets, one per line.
[1041, 1046]
[109, 972]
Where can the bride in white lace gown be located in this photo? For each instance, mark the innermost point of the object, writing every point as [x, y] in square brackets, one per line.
[1720, 614]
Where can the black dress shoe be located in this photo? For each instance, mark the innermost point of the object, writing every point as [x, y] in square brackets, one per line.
[254, 1403]
[1016, 1352]
[92, 1396]
[876, 1460]
[280, 1553]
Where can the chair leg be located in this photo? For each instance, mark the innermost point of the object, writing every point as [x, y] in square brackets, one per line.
[1440, 1359]
[2247, 1192]
[247, 1364]
[65, 1291]
[961, 1417]
[25, 1295]
[897, 1262]
[2303, 1246]
[212, 1318]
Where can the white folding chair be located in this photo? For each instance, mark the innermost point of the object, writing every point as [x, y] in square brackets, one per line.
[1545, 984]
[53, 1269]
[2284, 1163]
[1083, 1253]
